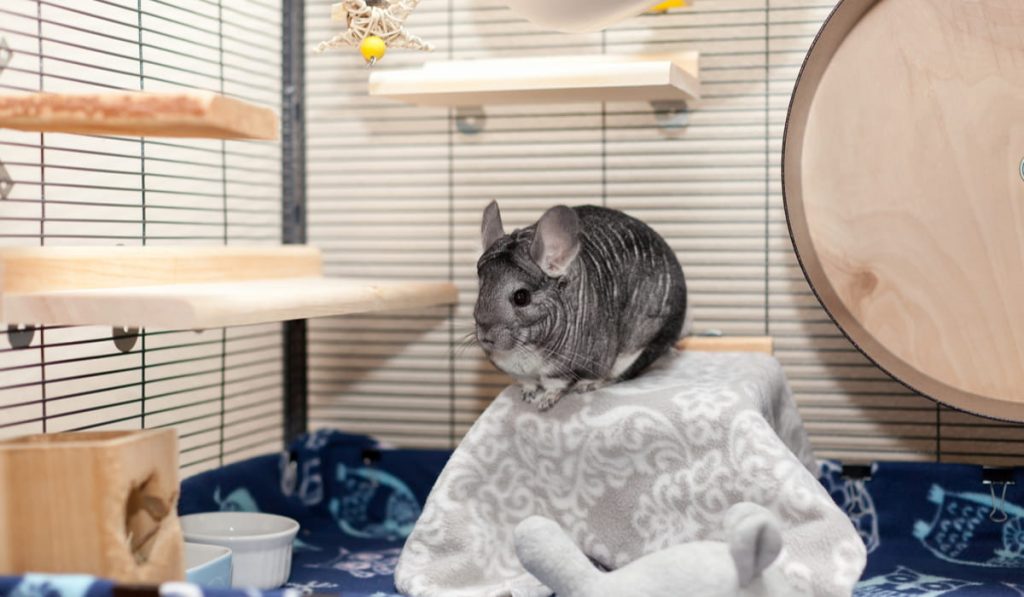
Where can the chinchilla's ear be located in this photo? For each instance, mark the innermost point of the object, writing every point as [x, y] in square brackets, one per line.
[556, 241]
[490, 228]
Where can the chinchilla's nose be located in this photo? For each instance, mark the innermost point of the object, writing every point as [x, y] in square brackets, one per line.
[486, 335]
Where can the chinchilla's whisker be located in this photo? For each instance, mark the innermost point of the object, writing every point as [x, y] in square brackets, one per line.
[565, 363]
[462, 348]
[567, 359]
[461, 345]
[562, 369]
[562, 365]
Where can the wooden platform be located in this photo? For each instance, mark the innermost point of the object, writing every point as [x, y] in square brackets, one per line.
[596, 78]
[763, 344]
[143, 114]
[190, 288]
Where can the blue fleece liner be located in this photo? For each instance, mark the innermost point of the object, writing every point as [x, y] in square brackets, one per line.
[927, 526]
[929, 531]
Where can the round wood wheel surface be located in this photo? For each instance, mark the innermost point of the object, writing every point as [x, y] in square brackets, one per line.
[903, 174]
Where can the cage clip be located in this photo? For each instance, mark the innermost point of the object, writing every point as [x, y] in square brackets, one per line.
[371, 457]
[289, 472]
[20, 336]
[993, 476]
[125, 338]
[857, 472]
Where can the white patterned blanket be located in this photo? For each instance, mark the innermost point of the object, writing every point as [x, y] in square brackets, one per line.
[628, 470]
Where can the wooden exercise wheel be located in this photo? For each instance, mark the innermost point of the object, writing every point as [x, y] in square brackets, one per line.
[903, 174]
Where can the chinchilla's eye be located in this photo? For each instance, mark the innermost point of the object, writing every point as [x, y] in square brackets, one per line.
[521, 297]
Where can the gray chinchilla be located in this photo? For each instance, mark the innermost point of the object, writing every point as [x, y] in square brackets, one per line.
[585, 297]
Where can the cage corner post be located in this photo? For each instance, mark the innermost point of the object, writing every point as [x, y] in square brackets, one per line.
[293, 215]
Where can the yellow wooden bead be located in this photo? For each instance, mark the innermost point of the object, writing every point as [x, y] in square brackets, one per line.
[372, 47]
[667, 5]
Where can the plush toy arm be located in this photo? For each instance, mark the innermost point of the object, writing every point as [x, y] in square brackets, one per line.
[549, 554]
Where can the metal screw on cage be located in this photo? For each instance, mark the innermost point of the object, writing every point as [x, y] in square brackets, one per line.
[6, 182]
[20, 336]
[5, 54]
[125, 338]
[671, 114]
[470, 121]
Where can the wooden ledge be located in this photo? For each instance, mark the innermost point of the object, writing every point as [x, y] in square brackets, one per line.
[139, 114]
[190, 288]
[601, 77]
[764, 344]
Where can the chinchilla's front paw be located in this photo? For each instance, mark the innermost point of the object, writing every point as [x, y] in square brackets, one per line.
[582, 387]
[529, 393]
[547, 398]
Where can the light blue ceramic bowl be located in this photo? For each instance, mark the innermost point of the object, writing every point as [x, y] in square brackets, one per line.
[208, 565]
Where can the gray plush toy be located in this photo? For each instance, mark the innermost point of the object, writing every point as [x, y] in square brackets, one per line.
[585, 297]
[741, 566]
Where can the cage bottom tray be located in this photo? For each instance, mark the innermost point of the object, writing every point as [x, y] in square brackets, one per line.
[927, 526]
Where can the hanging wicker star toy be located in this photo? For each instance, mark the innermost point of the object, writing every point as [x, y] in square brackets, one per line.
[374, 26]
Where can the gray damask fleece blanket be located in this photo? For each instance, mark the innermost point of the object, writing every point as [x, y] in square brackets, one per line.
[628, 470]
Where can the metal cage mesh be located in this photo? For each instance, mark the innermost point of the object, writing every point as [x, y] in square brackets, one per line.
[221, 388]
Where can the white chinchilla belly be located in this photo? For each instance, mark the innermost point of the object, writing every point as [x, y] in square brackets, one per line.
[531, 368]
[622, 363]
[526, 365]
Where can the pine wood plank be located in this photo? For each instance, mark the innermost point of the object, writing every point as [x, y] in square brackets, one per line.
[189, 287]
[145, 114]
[201, 306]
[599, 77]
[40, 269]
[763, 344]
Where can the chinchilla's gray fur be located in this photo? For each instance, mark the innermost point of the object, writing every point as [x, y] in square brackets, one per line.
[607, 299]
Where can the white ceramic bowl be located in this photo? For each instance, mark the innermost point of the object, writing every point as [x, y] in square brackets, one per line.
[208, 565]
[261, 544]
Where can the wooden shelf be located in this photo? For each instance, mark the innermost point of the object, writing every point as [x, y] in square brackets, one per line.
[201, 306]
[172, 288]
[601, 77]
[143, 114]
[763, 344]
